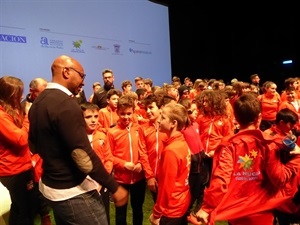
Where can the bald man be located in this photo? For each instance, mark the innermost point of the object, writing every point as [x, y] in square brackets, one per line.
[72, 170]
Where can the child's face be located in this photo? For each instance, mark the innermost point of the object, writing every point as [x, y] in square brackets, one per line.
[186, 94]
[272, 89]
[147, 87]
[165, 125]
[193, 112]
[285, 127]
[91, 120]
[96, 88]
[290, 96]
[206, 105]
[153, 112]
[128, 88]
[139, 84]
[141, 97]
[296, 84]
[125, 115]
[113, 101]
[173, 92]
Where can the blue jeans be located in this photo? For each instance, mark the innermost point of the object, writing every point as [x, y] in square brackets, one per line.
[84, 209]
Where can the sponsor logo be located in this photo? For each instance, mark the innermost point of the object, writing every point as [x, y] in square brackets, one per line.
[77, 46]
[117, 49]
[50, 43]
[134, 51]
[100, 47]
[13, 38]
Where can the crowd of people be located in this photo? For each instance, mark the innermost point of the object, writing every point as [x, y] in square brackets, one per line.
[207, 151]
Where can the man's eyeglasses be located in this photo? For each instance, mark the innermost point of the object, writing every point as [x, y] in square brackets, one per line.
[82, 75]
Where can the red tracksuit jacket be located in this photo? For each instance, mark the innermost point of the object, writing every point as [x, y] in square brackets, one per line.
[173, 187]
[248, 179]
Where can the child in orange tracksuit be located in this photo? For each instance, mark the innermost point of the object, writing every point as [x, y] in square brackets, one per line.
[270, 101]
[151, 142]
[15, 156]
[285, 122]
[128, 171]
[292, 102]
[100, 145]
[248, 179]
[214, 123]
[197, 179]
[174, 196]
[108, 116]
[137, 113]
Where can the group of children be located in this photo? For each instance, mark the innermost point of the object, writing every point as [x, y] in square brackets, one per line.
[135, 155]
[197, 165]
[242, 174]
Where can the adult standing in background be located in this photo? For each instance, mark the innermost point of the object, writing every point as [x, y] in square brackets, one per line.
[15, 159]
[100, 98]
[255, 81]
[80, 97]
[71, 168]
[36, 86]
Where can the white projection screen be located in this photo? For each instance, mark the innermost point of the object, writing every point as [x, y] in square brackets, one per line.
[131, 37]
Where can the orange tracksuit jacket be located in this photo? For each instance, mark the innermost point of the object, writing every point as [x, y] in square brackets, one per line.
[289, 105]
[269, 106]
[107, 118]
[283, 96]
[173, 197]
[150, 146]
[288, 206]
[123, 143]
[249, 180]
[212, 130]
[15, 156]
[101, 147]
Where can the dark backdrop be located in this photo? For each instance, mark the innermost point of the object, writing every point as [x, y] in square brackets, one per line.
[214, 42]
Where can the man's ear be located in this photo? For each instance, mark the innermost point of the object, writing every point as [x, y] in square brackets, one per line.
[66, 73]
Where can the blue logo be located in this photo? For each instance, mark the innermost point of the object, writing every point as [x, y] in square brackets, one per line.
[46, 43]
[13, 38]
[135, 51]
